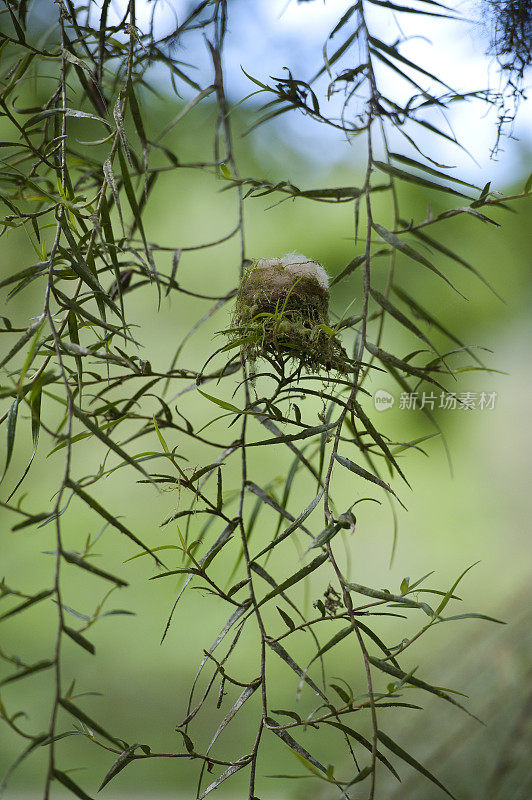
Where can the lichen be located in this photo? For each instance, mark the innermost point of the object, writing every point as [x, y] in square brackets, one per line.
[281, 313]
[512, 34]
[511, 43]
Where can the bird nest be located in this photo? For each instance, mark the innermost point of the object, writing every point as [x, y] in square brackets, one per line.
[281, 314]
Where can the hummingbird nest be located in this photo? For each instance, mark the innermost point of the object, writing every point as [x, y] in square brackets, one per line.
[281, 313]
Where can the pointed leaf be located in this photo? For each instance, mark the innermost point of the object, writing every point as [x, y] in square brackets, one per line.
[295, 578]
[23, 673]
[27, 603]
[90, 501]
[67, 781]
[122, 761]
[11, 428]
[79, 639]
[291, 625]
[273, 726]
[287, 658]
[74, 558]
[88, 721]
[238, 765]
[398, 751]
[363, 473]
[409, 251]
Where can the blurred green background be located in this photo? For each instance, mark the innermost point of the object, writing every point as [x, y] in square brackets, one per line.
[480, 512]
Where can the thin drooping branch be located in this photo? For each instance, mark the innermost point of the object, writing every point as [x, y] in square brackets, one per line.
[77, 368]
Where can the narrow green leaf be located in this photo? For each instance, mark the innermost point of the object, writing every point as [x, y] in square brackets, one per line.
[88, 721]
[32, 519]
[286, 438]
[36, 742]
[448, 595]
[409, 10]
[270, 115]
[98, 432]
[347, 270]
[11, 428]
[398, 751]
[154, 550]
[295, 578]
[208, 468]
[92, 503]
[410, 177]
[74, 558]
[267, 422]
[394, 53]
[63, 778]
[431, 242]
[365, 743]
[409, 251]
[338, 637]
[81, 267]
[32, 350]
[472, 615]
[291, 714]
[178, 571]
[377, 438]
[27, 603]
[330, 60]
[269, 500]
[342, 694]
[130, 194]
[346, 16]
[220, 542]
[385, 303]
[328, 533]
[122, 761]
[423, 314]
[411, 162]
[366, 770]
[287, 658]
[273, 726]
[74, 338]
[23, 673]
[291, 625]
[79, 639]
[389, 597]
[222, 403]
[235, 767]
[137, 116]
[363, 473]
[398, 363]
[68, 112]
[410, 679]
[242, 698]
[219, 490]
[255, 80]
[26, 336]
[484, 194]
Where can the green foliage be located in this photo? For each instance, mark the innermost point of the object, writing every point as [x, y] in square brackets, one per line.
[72, 372]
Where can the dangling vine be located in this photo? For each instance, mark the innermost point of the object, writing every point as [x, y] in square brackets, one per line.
[287, 373]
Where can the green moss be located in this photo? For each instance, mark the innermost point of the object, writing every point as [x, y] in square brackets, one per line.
[286, 317]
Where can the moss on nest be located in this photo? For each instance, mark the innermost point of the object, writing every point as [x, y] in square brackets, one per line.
[282, 312]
